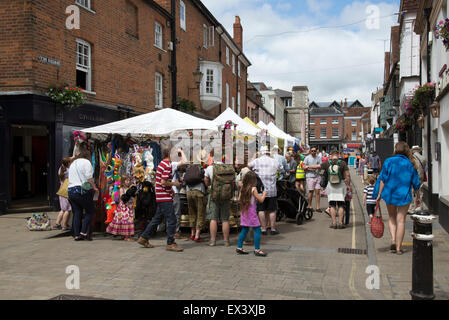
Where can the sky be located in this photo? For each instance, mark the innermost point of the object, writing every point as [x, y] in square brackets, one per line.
[334, 47]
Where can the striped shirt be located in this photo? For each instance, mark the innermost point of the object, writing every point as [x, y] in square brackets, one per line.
[369, 198]
[164, 172]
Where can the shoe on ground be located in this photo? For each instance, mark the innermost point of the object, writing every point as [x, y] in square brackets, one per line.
[274, 232]
[197, 239]
[212, 243]
[227, 243]
[144, 242]
[174, 247]
[260, 253]
[341, 226]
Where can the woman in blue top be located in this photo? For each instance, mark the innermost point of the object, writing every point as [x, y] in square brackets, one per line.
[394, 185]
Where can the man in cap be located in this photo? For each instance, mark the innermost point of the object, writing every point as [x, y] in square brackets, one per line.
[422, 168]
[266, 168]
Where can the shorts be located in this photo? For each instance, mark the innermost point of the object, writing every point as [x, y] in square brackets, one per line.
[376, 170]
[314, 183]
[335, 204]
[370, 208]
[269, 205]
[218, 210]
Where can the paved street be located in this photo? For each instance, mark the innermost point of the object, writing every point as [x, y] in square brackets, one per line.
[303, 263]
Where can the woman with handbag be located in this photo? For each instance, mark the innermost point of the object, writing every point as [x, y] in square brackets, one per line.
[63, 216]
[81, 192]
[394, 185]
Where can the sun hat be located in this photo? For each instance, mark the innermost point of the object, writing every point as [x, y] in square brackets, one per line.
[264, 150]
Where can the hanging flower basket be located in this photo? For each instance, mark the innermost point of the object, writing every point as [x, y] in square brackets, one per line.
[70, 97]
[442, 32]
[402, 125]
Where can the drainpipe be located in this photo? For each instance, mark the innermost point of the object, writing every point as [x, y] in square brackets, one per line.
[427, 13]
[173, 55]
[220, 54]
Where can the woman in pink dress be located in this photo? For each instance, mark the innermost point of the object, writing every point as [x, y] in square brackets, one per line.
[248, 216]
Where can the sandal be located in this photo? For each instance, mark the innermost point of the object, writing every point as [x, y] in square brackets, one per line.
[259, 253]
[393, 248]
[197, 239]
[399, 252]
[241, 251]
[212, 243]
[57, 227]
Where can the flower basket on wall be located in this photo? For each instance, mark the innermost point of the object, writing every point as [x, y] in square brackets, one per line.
[185, 105]
[442, 32]
[70, 97]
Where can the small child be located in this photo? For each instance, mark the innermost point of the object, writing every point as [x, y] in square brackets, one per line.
[123, 222]
[248, 216]
[368, 199]
[348, 199]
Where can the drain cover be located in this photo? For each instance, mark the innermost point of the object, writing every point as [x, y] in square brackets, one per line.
[351, 251]
[72, 297]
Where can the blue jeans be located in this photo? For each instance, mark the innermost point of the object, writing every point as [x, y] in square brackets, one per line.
[257, 233]
[79, 203]
[164, 209]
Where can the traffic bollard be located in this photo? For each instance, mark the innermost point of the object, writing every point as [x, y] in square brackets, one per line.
[422, 264]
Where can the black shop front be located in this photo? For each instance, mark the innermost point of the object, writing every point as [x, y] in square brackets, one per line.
[35, 134]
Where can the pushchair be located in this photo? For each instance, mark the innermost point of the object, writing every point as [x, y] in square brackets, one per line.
[291, 203]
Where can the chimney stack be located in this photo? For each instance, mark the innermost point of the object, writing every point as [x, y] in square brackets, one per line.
[346, 102]
[238, 33]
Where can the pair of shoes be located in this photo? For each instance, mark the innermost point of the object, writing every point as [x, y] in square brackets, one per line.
[174, 247]
[319, 210]
[393, 248]
[197, 239]
[241, 251]
[57, 227]
[341, 226]
[227, 243]
[144, 242]
[333, 226]
[259, 253]
[274, 232]
[79, 238]
[191, 238]
[212, 243]
[264, 233]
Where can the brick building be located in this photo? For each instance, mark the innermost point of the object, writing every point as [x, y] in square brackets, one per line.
[353, 112]
[326, 125]
[130, 57]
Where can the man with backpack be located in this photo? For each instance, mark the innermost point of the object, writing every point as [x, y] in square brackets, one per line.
[196, 191]
[221, 180]
[337, 173]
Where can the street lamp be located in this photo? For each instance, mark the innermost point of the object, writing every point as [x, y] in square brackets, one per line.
[435, 110]
[197, 77]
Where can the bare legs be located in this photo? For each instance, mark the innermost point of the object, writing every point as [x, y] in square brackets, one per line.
[213, 230]
[317, 198]
[63, 218]
[396, 223]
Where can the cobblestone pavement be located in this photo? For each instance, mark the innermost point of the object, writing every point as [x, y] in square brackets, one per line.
[303, 263]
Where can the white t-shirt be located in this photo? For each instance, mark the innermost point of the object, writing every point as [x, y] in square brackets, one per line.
[80, 172]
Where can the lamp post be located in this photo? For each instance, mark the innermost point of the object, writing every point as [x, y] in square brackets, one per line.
[197, 77]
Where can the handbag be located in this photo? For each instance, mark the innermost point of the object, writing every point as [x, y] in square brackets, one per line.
[377, 223]
[38, 222]
[324, 180]
[64, 189]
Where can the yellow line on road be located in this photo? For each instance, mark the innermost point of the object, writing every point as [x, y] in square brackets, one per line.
[351, 277]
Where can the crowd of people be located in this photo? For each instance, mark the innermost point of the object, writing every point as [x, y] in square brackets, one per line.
[210, 188]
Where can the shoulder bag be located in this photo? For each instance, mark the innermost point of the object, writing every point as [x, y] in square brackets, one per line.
[63, 189]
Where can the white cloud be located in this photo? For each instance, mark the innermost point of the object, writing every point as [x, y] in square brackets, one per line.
[317, 58]
[319, 5]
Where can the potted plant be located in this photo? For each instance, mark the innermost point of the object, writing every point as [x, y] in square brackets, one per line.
[71, 97]
[185, 105]
[442, 31]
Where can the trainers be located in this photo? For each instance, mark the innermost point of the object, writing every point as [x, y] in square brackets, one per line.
[144, 242]
[174, 247]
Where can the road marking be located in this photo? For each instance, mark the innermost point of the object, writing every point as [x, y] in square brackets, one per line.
[351, 277]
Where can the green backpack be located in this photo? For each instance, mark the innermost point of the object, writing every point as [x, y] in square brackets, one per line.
[223, 182]
[334, 173]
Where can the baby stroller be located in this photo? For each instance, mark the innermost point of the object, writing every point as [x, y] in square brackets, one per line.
[291, 203]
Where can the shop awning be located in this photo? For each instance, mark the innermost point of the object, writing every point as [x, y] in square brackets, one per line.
[158, 123]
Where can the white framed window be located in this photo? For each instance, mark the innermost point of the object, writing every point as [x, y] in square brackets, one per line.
[323, 133]
[84, 3]
[211, 37]
[182, 15]
[312, 133]
[335, 121]
[238, 68]
[323, 121]
[354, 136]
[238, 103]
[210, 81]
[312, 121]
[204, 36]
[227, 95]
[334, 132]
[158, 98]
[83, 65]
[158, 35]
[227, 56]
[233, 104]
[233, 64]
[354, 123]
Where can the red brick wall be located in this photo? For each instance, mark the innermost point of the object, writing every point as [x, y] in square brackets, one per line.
[349, 129]
[123, 66]
[329, 126]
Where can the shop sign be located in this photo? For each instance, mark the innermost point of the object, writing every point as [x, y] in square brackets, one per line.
[50, 61]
